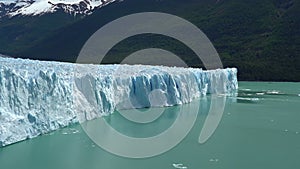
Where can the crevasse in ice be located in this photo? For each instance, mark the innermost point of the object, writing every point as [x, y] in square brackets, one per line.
[37, 97]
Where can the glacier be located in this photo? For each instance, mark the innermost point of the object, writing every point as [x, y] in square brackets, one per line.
[37, 97]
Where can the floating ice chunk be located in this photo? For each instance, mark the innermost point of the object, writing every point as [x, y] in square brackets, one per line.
[213, 160]
[248, 99]
[275, 92]
[179, 165]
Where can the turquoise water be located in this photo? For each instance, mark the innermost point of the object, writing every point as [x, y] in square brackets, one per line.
[260, 129]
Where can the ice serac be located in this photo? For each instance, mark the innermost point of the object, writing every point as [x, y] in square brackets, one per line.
[39, 97]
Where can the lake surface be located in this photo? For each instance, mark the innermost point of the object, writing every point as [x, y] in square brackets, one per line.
[259, 129]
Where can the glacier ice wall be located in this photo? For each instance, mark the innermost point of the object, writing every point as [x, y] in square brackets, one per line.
[37, 97]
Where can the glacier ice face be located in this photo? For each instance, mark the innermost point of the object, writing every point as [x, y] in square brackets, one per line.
[37, 97]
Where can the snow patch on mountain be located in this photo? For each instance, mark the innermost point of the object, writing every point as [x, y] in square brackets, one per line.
[39, 7]
[35, 8]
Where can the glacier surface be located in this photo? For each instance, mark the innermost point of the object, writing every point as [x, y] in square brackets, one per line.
[37, 97]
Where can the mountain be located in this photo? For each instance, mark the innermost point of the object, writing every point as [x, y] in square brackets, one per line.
[39, 7]
[259, 37]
